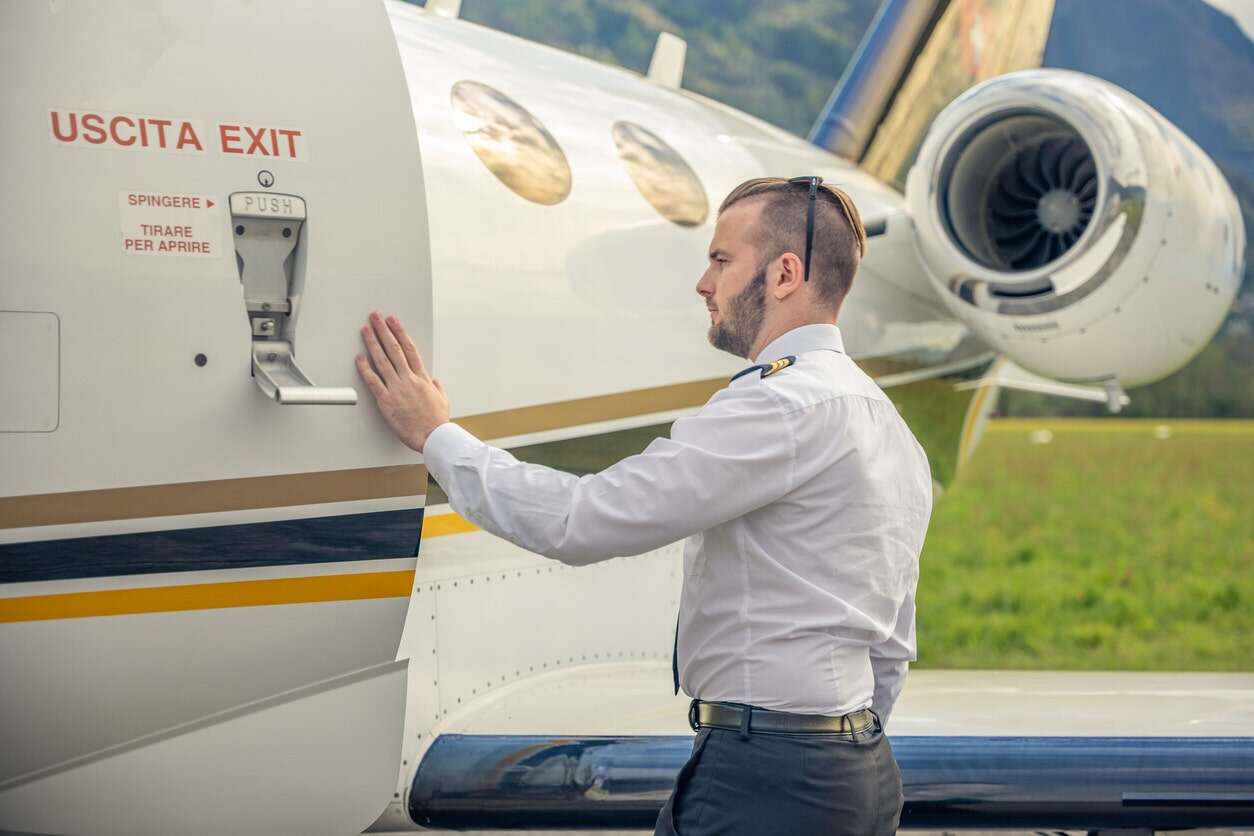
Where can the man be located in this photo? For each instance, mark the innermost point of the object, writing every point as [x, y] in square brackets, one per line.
[804, 498]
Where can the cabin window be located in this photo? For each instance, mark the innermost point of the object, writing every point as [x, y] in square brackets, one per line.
[661, 175]
[512, 143]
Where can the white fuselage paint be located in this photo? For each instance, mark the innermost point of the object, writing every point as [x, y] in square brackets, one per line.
[146, 722]
[536, 304]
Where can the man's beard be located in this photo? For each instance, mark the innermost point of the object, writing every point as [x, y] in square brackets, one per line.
[742, 319]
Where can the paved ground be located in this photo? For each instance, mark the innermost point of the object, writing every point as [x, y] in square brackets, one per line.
[912, 832]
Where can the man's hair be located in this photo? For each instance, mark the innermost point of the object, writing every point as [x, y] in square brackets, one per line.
[839, 237]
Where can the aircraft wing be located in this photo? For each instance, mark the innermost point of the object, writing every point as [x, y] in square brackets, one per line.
[983, 750]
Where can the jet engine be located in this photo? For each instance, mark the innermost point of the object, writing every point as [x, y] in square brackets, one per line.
[1074, 228]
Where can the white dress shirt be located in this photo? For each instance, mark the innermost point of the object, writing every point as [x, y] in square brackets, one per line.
[804, 499]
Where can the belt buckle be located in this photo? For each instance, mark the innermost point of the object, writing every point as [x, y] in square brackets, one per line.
[693, 722]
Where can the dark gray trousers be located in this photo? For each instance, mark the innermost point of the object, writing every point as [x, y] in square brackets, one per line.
[793, 784]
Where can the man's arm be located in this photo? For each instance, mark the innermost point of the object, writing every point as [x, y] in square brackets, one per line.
[891, 658]
[733, 456]
[738, 453]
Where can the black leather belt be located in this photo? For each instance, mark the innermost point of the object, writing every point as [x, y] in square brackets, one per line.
[745, 718]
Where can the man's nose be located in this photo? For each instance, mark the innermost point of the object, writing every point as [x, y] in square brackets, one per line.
[705, 286]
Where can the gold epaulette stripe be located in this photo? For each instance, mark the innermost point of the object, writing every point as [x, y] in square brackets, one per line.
[778, 365]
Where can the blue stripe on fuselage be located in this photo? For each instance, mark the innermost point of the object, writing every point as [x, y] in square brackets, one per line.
[381, 534]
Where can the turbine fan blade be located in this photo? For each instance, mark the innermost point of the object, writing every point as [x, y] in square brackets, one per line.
[1032, 256]
[1064, 146]
[1013, 213]
[1047, 161]
[1056, 246]
[1027, 170]
[1070, 162]
[1012, 185]
[1018, 234]
[1016, 253]
[1084, 173]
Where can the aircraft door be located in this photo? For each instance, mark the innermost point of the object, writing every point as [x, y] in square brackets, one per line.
[200, 508]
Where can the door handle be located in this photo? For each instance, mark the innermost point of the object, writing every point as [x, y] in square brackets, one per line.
[267, 229]
[280, 378]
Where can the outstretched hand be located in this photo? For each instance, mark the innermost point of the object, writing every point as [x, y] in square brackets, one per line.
[410, 400]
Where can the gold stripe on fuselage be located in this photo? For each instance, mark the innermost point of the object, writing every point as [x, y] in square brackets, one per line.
[336, 485]
[444, 524]
[256, 593]
[565, 414]
[207, 596]
[290, 489]
[207, 497]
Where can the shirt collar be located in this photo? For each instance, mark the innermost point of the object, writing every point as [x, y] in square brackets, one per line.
[821, 337]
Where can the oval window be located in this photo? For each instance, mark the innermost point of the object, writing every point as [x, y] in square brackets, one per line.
[663, 178]
[511, 143]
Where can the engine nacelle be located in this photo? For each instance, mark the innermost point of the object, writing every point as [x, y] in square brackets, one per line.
[1074, 228]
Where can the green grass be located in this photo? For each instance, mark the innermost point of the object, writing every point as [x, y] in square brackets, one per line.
[1104, 549]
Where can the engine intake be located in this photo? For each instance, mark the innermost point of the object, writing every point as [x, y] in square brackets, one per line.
[1020, 191]
[1074, 228]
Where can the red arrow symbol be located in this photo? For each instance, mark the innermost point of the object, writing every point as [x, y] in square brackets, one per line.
[208, 203]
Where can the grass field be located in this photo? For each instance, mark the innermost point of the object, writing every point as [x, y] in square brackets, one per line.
[1105, 548]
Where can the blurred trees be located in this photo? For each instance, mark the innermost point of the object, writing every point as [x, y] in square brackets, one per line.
[777, 60]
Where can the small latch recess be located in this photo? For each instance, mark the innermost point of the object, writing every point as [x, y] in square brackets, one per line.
[266, 229]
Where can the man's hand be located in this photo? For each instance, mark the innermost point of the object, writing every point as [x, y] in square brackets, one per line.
[411, 401]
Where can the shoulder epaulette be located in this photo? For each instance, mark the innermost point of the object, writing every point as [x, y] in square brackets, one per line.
[767, 369]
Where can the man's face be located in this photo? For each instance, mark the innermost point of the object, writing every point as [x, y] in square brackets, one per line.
[734, 285]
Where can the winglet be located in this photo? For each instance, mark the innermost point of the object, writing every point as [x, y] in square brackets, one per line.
[445, 8]
[667, 65]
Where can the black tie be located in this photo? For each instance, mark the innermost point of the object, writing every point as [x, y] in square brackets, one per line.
[675, 657]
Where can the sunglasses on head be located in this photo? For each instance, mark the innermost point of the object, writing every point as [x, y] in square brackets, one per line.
[812, 181]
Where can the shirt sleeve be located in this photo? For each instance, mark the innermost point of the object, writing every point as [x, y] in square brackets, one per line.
[737, 454]
[891, 658]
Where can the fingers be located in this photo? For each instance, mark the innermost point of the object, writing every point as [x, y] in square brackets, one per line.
[389, 343]
[382, 365]
[373, 383]
[407, 345]
[438, 384]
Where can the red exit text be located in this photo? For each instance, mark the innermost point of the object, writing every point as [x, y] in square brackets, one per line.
[151, 133]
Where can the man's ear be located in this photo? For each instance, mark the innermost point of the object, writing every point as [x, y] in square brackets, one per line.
[786, 276]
